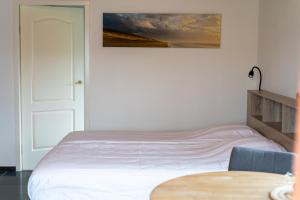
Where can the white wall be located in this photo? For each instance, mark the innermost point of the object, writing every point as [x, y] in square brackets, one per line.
[155, 89]
[279, 45]
[7, 101]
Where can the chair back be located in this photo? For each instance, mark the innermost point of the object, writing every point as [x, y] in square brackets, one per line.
[246, 159]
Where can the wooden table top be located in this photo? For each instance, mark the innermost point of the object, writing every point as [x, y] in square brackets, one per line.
[233, 185]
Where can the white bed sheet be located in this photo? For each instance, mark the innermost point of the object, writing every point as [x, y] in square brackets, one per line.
[129, 165]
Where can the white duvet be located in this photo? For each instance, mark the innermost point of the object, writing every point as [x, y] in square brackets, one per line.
[129, 165]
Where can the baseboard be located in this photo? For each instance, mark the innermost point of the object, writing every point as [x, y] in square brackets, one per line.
[7, 169]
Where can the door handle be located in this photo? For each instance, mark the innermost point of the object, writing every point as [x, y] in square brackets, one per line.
[78, 82]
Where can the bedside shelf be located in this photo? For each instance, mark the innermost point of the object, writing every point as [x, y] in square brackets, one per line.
[272, 115]
[290, 135]
[258, 117]
[275, 125]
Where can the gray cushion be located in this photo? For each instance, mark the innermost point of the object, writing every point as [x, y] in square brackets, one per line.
[245, 159]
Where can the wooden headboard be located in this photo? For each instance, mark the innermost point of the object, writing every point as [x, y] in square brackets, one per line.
[273, 116]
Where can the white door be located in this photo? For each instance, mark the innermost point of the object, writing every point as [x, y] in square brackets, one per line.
[52, 77]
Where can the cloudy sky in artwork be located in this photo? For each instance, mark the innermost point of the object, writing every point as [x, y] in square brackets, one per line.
[167, 27]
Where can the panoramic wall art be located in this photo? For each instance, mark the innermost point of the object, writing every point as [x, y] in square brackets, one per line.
[162, 30]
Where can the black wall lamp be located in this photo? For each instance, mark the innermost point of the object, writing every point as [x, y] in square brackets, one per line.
[251, 75]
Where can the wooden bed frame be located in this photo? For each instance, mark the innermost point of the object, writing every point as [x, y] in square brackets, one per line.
[273, 116]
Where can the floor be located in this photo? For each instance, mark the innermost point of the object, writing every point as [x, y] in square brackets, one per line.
[13, 185]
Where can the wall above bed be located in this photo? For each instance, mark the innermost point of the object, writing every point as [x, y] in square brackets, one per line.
[279, 45]
[170, 89]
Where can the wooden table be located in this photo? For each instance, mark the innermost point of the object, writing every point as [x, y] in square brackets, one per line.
[232, 185]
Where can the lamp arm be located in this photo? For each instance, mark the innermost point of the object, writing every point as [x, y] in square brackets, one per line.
[260, 76]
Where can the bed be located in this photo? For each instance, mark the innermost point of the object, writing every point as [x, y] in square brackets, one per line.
[108, 165]
[128, 165]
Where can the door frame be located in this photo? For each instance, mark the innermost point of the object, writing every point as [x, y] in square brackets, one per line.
[17, 64]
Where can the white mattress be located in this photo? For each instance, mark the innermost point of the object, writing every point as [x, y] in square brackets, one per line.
[128, 165]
